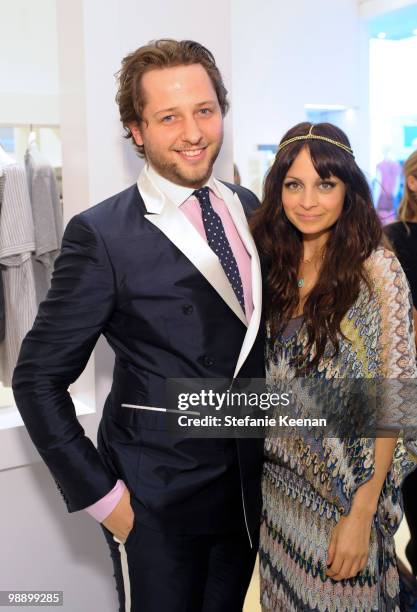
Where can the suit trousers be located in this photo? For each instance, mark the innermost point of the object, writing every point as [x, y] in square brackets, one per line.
[162, 571]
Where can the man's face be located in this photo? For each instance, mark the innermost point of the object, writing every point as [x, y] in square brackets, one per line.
[182, 127]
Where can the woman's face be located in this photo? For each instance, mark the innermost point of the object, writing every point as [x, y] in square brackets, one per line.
[311, 203]
[412, 183]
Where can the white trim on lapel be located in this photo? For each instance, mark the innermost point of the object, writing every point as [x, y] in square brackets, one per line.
[238, 215]
[165, 215]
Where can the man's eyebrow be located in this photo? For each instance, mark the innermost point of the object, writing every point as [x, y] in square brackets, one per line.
[165, 110]
[174, 108]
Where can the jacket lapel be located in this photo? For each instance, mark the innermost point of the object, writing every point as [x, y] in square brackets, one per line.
[166, 216]
[238, 215]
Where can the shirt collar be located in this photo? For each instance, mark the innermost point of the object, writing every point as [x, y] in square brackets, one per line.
[177, 193]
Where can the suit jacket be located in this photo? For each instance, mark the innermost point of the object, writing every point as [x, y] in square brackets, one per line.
[134, 269]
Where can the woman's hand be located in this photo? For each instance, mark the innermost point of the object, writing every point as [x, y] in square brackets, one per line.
[349, 544]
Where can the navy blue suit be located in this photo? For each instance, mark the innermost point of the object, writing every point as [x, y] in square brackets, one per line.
[121, 275]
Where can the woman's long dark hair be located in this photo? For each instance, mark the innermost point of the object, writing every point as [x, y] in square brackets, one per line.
[352, 239]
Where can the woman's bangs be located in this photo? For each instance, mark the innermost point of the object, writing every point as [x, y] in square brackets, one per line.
[328, 160]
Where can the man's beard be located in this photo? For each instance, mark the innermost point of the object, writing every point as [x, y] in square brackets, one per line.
[173, 172]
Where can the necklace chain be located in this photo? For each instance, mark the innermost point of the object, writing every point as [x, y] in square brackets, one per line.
[301, 281]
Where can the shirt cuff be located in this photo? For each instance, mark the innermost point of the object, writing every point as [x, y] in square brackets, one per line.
[101, 509]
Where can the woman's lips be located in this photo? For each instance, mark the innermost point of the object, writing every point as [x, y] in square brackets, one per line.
[308, 217]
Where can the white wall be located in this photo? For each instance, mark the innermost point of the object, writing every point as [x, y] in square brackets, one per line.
[287, 54]
[394, 95]
[28, 62]
[132, 24]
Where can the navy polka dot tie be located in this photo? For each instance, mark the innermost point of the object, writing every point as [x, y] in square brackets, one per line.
[218, 242]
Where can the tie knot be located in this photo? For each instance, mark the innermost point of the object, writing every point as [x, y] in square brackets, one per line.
[202, 195]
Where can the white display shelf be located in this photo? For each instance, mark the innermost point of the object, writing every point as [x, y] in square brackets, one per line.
[16, 447]
[82, 393]
[10, 416]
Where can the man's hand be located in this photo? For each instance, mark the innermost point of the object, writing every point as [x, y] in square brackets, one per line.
[120, 521]
[349, 545]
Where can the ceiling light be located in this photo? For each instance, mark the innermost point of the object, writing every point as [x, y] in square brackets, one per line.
[382, 35]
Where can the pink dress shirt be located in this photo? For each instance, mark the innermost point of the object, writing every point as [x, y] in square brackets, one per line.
[191, 208]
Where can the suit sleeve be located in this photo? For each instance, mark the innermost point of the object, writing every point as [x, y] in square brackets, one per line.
[53, 355]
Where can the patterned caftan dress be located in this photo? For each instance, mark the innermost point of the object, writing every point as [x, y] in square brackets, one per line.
[309, 481]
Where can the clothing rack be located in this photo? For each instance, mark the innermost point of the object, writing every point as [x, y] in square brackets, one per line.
[31, 126]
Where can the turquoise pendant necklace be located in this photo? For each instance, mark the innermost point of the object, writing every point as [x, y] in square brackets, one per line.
[301, 281]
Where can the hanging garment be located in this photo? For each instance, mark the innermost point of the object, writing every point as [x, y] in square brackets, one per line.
[17, 242]
[2, 313]
[47, 217]
[389, 172]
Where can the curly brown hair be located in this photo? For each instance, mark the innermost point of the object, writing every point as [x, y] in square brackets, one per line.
[356, 233]
[158, 54]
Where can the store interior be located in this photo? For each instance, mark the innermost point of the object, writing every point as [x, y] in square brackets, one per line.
[350, 62]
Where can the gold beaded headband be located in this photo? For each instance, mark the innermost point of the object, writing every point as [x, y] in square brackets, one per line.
[311, 136]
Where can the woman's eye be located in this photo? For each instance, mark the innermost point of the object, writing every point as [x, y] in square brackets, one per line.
[327, 185]
[292, 185]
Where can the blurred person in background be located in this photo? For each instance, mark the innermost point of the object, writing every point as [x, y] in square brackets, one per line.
[403, 237]
[403, 233]
[388, 173]
[338, 307]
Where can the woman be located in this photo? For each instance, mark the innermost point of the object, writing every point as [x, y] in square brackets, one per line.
[337, 306]
[403, 237]
[403, 234]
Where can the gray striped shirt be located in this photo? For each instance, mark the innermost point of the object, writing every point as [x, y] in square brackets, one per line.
[2, 314]
[17, 242]
[47, 217]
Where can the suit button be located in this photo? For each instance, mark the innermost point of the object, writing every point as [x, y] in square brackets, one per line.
[188, 309]
[208, 361]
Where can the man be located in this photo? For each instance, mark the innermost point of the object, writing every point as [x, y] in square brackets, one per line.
[168, 272]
